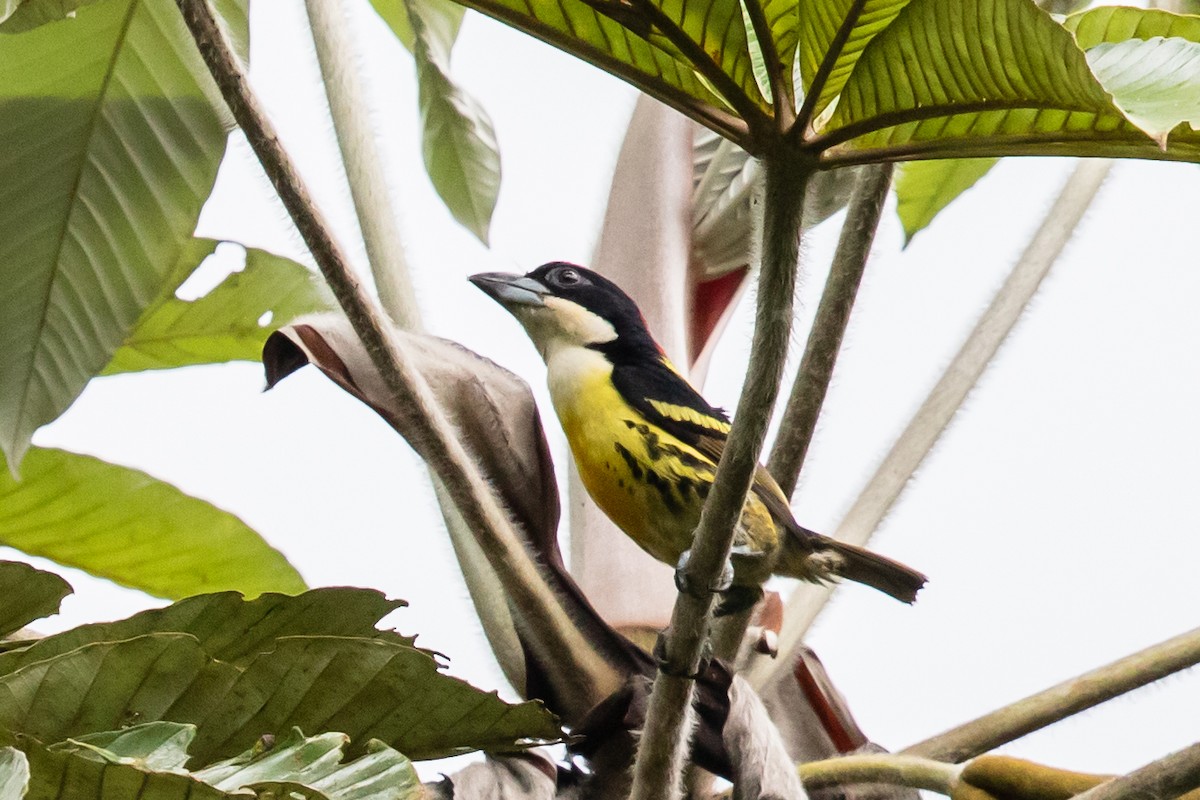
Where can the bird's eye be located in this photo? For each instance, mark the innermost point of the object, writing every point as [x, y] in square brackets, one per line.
[567, 277]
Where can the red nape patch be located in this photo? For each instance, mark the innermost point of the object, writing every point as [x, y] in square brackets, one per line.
[710, 300]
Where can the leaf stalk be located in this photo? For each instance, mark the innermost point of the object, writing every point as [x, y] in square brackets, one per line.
[1164, 779]
[1062, 700]
[663, 748]
[829, 327]
[894, 770]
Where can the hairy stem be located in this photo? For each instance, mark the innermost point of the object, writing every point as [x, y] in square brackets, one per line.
[1164, 779]
[829, 326]
[433, 437]
[361, 157]
[664, 741]
[1061, 701]
[942, 403]
[894, 770]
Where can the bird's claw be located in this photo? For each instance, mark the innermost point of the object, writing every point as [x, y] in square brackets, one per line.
[664, 665]
[737, 599]
[686, 585]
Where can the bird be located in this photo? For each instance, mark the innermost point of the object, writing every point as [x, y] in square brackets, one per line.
[646, 443]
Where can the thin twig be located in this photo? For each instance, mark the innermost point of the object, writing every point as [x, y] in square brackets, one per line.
[664, 740]
[377, 214]
[1165, 779]
[1061, 701]
[944, 400]
[825, 338]
[433, 437]
[889, 768]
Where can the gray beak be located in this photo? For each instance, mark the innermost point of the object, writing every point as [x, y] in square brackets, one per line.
[510, 290]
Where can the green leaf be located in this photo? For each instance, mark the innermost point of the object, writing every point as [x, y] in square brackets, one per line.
[27, 594]
[230, 628]
[315, 763]
[924, 188]
[159, 746]
[834, 33]
[1118, 23]
[441, 13]
[111, 132]
[22, 15]
[14, 773]
[1156, 82]
[783, 20]
[922, 89]
[230, 323]
[121, 524]
[620, 39]
[108, 685]
[458, 142]
[75, 775]
[311, 766]
[368, 689]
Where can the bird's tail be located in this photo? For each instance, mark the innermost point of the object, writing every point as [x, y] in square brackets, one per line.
[817, 557]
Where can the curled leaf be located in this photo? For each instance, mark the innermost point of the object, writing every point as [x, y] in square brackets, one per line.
[27, 594]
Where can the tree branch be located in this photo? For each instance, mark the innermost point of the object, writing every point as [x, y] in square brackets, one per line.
[1061, 701]
[943, 401]
[825, 338]
[1164, 779]
[432, 435]
[664, 741]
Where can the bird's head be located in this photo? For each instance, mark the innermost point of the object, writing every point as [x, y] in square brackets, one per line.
[563, 305]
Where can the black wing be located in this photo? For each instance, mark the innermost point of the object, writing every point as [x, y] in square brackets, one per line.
[667, 400]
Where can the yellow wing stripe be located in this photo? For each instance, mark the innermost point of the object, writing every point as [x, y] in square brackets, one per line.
[690, 415]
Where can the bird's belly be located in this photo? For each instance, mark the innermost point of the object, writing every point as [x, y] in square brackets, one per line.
[650, 484]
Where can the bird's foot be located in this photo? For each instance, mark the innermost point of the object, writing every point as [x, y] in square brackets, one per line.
[687, 585]
[665, 666]
[736, 599]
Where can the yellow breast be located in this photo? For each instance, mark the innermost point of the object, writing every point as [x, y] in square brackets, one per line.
[650, 484]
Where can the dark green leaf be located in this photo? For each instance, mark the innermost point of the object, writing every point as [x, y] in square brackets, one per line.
[230, 323]
[368, 689]
[108, 685]
[27, 594]
[230, 628]
[121, 524]
[111, 131]
[924, 188]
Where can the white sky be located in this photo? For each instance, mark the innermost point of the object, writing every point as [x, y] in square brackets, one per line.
[1057, 518]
